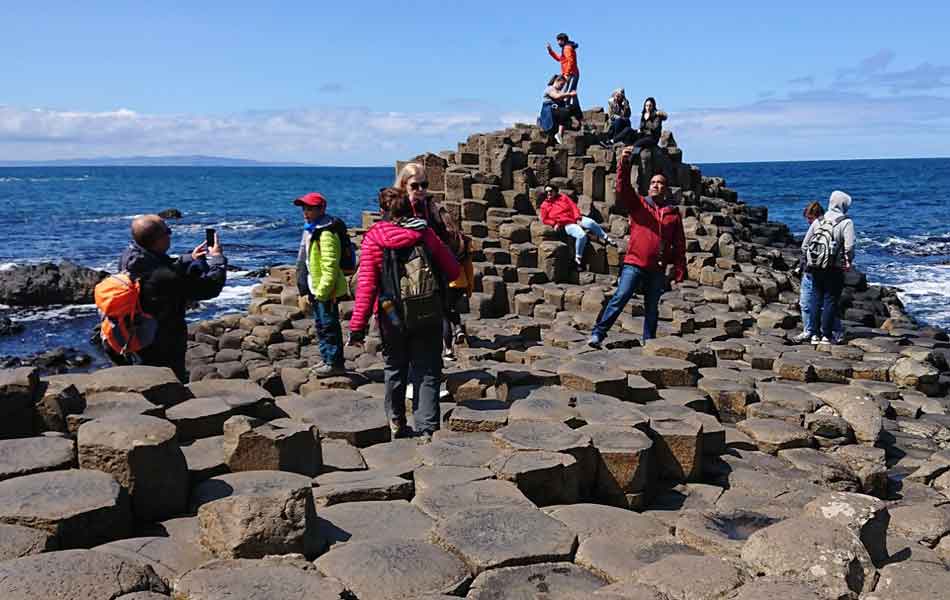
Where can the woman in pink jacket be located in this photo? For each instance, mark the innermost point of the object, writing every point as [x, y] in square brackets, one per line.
[419, 352]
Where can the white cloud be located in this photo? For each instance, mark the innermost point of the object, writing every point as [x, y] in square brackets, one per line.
[323, 135]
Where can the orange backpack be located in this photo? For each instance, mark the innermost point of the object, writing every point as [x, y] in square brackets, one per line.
[125, 328]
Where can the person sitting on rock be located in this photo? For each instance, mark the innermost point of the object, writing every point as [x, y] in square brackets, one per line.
[320, 279]
[555, 114]
[405, 350]
[560, 212]
[648, 140]
[656, 252]
[168, 286]
[569, 71]
[828, 280]
[618, 120]
[806, 296]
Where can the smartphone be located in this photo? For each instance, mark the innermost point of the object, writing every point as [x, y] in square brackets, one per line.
[209, 236]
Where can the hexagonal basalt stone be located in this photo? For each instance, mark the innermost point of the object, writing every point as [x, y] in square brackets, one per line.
[73, 574]
[626, 466]
[488, 537]
[661, 371]
[544, 407]
[588, 377]
[17, 541]
[731, 398]
[443, 501]
[597, 409]
[168, 557]
[678, 447]
[24, 456]
[370, 520]
[772, 435]
[789, 396]
[142, 453]
[282, 444]
[479, 415]
[795, 368]
[158, 384]
[719, 533]
[824, 469]
[616, 557]
[356, 486]
[591, 520]
[112, 404]
[675, 347]
[549, 580]
[553, 437]
[200, 417]
[865, 516]
[379, 569]
[544, 477]
[428, 477]
[776, 588]
[256, 513]
[360, 422]
[709, 577]
[81, 508]
[459, 451]
[269, 579]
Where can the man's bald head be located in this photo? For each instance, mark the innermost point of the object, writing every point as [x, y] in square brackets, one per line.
[149, 232]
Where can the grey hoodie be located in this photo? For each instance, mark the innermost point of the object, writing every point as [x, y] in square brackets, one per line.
[838, 205]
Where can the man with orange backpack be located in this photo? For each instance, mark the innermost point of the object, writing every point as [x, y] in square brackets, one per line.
[165, 286]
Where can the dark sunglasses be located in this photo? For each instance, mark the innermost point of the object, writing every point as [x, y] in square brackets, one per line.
[419, 185]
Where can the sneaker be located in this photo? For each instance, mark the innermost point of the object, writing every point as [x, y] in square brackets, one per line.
[824, 342]
[448, 354]
[606, 144]
[838, 338]
[802, 338]
[460, 338]
[399, 430]
[324, 370]
[424, 438]
[610, 242]
[557, 138]
[595, 341]
[579, 264]
[815, 339]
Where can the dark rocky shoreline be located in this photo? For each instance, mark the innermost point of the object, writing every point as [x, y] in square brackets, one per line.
[719, 450]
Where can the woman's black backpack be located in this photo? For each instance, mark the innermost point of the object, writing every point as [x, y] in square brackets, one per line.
[412, 282]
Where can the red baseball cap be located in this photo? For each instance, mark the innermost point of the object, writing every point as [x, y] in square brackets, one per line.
[315, 199]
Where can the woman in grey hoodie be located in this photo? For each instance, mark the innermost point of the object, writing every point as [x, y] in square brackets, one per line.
[829, 281]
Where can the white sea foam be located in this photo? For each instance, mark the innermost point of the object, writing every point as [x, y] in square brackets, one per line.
[7, 266]
[59, 313]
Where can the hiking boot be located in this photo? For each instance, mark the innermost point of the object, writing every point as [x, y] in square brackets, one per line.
[802, 338]
[595, 341]
[324, 370]
[399, 430]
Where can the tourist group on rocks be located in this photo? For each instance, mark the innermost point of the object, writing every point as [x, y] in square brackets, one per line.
[554, 363]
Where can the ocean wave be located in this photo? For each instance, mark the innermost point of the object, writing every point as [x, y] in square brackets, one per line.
[7, 266]
[242, 226]
[44, 179]
[48, 313]
[924, 289]
[109, 219]
[920, 245]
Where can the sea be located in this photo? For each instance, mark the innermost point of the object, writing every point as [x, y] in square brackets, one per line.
[901, 211]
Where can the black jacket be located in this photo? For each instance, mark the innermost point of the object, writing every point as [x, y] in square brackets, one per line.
[168, 286]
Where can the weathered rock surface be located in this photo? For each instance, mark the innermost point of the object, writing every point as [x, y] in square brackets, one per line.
[34, 455]
[43, 284]
[269, 579]
[71, 574]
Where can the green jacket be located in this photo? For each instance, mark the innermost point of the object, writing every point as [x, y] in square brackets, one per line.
[320, 259]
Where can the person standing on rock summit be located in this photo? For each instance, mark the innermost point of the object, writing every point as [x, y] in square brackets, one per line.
[656, 251]
[168, 285]
[320, 278]
[569, 70]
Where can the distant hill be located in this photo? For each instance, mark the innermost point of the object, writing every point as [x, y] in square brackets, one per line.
[150, 161]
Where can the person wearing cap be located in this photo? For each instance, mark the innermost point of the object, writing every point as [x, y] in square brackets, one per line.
[320, 279]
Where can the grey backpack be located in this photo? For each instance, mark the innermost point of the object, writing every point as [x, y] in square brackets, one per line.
[823, 246]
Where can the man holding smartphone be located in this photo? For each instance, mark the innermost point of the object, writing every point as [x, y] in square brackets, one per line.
[169, 284]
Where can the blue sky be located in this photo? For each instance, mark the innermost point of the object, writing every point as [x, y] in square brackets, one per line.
[365, 83]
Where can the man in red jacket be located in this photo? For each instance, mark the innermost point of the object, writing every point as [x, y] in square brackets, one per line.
[656, 251]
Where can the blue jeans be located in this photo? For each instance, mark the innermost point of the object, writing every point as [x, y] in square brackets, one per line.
[578, 231]
[326, 316]
[653, 281]
[828, 286]
[808, 301]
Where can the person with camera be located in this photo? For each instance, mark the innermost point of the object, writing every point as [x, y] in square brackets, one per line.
[168, 285]
[656, 251]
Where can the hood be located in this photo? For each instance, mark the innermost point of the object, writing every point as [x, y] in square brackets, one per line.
[839, 201]
[137, 260]
[390, 235]
[572, 44]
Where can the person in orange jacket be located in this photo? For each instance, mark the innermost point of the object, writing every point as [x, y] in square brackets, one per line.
[568, 60]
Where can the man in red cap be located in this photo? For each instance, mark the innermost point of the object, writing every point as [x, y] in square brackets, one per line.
[320, 279]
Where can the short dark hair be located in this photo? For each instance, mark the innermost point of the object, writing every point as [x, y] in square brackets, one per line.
[554, 78]
[387, 196]
[813, 211]
[398, 203]
[562, 36]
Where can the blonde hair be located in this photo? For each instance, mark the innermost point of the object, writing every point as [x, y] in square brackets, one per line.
[408, 172]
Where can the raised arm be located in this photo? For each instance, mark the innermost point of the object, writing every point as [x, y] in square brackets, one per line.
[625, 193]
[554, 54]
